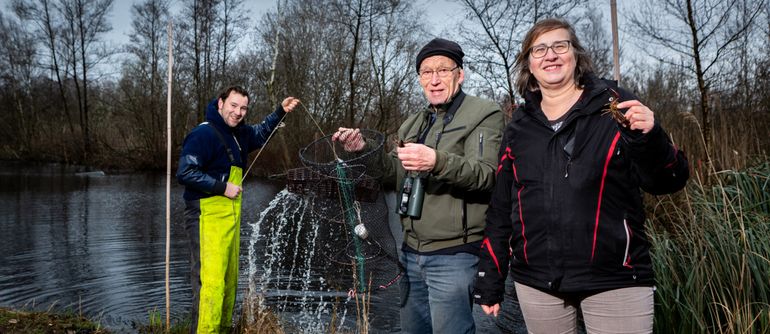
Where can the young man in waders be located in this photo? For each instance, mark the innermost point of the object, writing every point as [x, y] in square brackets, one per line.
[214, 155]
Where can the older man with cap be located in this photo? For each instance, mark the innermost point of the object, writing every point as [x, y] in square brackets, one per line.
[449, 149]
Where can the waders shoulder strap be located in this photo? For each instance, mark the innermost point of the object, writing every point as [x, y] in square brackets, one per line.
[222, 139]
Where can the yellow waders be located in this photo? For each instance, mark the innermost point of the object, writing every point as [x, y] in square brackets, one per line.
[220, 226]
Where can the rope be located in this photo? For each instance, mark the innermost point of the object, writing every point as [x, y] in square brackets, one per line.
[263, 147]
[276, 128]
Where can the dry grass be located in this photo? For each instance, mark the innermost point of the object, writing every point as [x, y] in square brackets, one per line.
[45, 322]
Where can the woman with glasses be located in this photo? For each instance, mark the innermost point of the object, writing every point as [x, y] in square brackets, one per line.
[566, 212]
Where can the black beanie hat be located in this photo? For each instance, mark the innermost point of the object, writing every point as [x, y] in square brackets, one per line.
[441, 47]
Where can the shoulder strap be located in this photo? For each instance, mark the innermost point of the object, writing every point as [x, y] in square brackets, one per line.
[222, 139]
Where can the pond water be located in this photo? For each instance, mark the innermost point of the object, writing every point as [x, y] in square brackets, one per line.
[95, 243]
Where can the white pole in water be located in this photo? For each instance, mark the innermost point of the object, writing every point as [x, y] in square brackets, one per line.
[168, 179]
[615, 47]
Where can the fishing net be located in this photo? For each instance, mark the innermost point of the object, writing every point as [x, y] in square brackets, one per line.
[347, 199]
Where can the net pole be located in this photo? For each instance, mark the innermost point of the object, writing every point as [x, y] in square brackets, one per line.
[168, 178]
[615, 42]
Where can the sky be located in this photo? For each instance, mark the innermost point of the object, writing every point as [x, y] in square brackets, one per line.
[440, 13]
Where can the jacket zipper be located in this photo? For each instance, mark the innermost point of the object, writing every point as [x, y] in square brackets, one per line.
[481, 144]
[566, 169]
[628, 244]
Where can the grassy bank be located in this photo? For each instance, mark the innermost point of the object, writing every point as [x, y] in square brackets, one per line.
[12, 321]
[711, 252]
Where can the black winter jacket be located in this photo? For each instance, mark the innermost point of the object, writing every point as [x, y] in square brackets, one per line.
[567, 208]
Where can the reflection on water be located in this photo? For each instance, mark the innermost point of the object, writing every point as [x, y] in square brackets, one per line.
[95, 243]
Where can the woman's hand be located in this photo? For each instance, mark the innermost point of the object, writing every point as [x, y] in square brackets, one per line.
[494, 309]
[638, 115]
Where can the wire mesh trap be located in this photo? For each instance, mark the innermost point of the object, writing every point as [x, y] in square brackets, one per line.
[327, 157]
[347, 201]
[306, 181]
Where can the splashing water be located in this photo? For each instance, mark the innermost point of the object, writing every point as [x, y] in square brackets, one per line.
[293, 278]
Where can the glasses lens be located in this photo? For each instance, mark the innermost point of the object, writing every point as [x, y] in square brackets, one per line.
[560, 46]
[442, 73]
[539, 51]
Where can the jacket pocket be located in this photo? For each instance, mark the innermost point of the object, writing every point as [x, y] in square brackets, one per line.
[612, 246]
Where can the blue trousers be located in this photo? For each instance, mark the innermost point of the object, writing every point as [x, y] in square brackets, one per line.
[436, 293]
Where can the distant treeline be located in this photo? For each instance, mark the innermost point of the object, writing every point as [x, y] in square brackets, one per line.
[705, 72]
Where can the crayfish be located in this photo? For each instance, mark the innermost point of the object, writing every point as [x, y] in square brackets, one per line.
[612, 109]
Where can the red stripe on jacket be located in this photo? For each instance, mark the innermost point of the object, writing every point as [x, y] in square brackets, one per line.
[491, 253]
[601, 190]
[521, 214]
[505, 156]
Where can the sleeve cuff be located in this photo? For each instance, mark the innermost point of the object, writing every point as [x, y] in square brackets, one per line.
[279, 111]
[219, 188]
[441, 158]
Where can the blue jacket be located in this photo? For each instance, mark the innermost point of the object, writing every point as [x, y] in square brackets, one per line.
[204, 165]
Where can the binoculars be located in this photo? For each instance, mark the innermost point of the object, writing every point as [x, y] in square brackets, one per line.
[412, 196]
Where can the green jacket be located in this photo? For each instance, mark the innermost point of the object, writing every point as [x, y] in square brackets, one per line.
[458, 188]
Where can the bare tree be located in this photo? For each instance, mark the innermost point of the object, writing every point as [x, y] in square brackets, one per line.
[700, 31]
[86, 23]
[392, 42]
[197, 22]
[208, 32]
[307, 49]
[503, 25]
[593, 35]
[232, 20]
[17, 70]
[142, 84]
[355, 16]
[71, 31]
[46, 24]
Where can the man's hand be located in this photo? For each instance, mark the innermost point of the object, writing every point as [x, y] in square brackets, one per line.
[351, 139]
[417, 157]
[232, 191]
[494, 309]
[638, 115]
[289, 103]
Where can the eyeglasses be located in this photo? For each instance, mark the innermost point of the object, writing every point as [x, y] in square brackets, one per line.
[441, 72]
[558, 47]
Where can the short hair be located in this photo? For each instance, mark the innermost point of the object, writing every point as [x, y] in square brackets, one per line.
[238, 89]
[525, 81]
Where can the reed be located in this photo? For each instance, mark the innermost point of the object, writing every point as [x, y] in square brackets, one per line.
[711, 252]
[156, 324]
[256, 318]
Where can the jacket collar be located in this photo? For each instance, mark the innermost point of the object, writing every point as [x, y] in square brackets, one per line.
[593, 88]
[450, 108]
